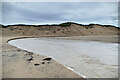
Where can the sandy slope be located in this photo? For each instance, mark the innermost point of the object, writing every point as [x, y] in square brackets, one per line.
[72, 30]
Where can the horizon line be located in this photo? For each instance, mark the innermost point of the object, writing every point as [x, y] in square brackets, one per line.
[48, 24]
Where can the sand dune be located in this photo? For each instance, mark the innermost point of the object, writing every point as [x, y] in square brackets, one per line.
[73, 29]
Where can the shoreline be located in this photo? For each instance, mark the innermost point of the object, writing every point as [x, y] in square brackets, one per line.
[74, 74]
[67, 73]
[46, 56]
[84, 38]
[63, 65]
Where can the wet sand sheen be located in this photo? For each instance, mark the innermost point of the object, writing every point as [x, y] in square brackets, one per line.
[91, 59]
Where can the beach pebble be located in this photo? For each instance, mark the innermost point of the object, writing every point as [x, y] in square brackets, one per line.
[43, 62]
[47, 59]
[31, 58]
[36, 64]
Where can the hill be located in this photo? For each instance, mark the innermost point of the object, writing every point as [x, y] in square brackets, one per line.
[64, 29]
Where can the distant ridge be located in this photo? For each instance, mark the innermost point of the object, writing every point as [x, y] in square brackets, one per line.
[63, 29]
[62, 24]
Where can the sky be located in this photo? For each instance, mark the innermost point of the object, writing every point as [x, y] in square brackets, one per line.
[58, 12]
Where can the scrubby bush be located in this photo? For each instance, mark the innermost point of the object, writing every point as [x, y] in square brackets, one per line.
[91, 25]
[54, 31]
[65, 24]
[86, 27]
[58, 29]
[0, 25]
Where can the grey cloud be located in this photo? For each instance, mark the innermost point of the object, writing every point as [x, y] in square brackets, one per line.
[50, 12]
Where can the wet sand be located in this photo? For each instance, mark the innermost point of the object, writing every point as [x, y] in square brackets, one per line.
[91, 59]
[17, 63]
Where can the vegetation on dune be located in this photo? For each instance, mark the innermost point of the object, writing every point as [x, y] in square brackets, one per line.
[65, 24]
[89, 26]
[0, 25]
[67, 28]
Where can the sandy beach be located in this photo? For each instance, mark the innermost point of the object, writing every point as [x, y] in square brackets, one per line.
[76, 55]
[17, 63]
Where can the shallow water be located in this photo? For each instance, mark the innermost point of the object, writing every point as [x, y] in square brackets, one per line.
[88, 58]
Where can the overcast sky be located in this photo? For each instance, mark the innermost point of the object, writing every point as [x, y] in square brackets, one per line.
[58, 12]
